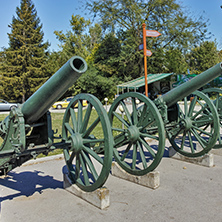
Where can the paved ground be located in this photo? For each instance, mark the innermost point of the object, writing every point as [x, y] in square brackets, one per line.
[187, 192]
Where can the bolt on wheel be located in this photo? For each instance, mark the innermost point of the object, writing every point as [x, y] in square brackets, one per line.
[89, 150]
[197, 128]
[138, 131]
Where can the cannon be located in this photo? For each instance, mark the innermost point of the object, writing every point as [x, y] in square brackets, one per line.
[134, 130]
[86, 132]
[140, 127]
[27, 131]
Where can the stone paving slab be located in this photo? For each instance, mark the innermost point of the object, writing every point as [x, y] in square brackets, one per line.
[187, 192]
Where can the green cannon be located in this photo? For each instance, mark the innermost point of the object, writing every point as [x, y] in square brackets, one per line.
[134, 130]
[86, 139]
[140, 126]
[27, 131]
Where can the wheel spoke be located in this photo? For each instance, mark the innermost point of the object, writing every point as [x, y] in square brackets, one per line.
[71, 157]
[126, 152]
[68, 127]
[198, 112]
[192, 106]
[146, 125]
[206, 108]
[148, 147]
[134, 156]
[79, 115]
[202, 131]
[120, 119]
[149, 136]
[126, 112]
[84, 170]
[90, 165]
[183, 140]
[185, 107]
[177, 133]
[142, 155]
[66, 154]
[73, 119]
[77, 171]
[85, 141]
[143, 115]
[203, 121]
[93, 154]
[191, 142]
[86, 118]
[201, 141]
[217, 101]
[118, 129]
[120, 140]
[91, 128]
[135, 117]
[219, 139]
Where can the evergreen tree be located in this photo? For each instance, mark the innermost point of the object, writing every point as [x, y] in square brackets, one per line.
[23, 70]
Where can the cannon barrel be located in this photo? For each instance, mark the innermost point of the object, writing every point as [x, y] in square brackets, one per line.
[53, 89]
[192, 85]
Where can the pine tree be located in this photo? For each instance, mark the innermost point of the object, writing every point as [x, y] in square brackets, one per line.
[23, 70]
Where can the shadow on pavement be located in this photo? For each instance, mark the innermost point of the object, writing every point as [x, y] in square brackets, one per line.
[27, 183]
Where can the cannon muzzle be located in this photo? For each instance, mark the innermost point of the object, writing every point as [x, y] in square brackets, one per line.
[192, 85]
[53, 89]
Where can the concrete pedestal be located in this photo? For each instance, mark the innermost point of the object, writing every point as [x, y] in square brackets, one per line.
[206, 160]
[99, 198]
[151, 180]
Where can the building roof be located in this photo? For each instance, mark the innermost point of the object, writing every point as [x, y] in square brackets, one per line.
[139, 82]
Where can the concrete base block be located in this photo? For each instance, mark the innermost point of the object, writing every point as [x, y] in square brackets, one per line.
[151, 180]
[99, 198]
[206, 160]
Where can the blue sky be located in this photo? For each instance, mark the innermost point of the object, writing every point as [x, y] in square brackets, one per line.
[55, 15]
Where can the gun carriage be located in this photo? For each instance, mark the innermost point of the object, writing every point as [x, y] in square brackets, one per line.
[134, 133]
[192, 127]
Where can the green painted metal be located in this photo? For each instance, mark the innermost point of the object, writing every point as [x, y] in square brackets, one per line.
[14, 141]
[135, 126]
[197, 129]
[215, 94]
[53, 89]
[27, 131]
[89, 152]
[138, 131]
[190, 86]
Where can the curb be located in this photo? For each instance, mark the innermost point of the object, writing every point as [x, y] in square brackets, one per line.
[43, 159]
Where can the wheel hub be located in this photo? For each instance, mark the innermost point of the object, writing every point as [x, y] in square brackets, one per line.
[76, 142]
[187, 123]
[133, 133]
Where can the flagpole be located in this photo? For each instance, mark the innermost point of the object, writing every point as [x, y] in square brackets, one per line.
[145, 59]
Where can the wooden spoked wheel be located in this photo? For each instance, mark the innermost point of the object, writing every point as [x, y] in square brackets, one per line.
[138, 131]
[89, 150]
[197, 128]
[215, 94]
